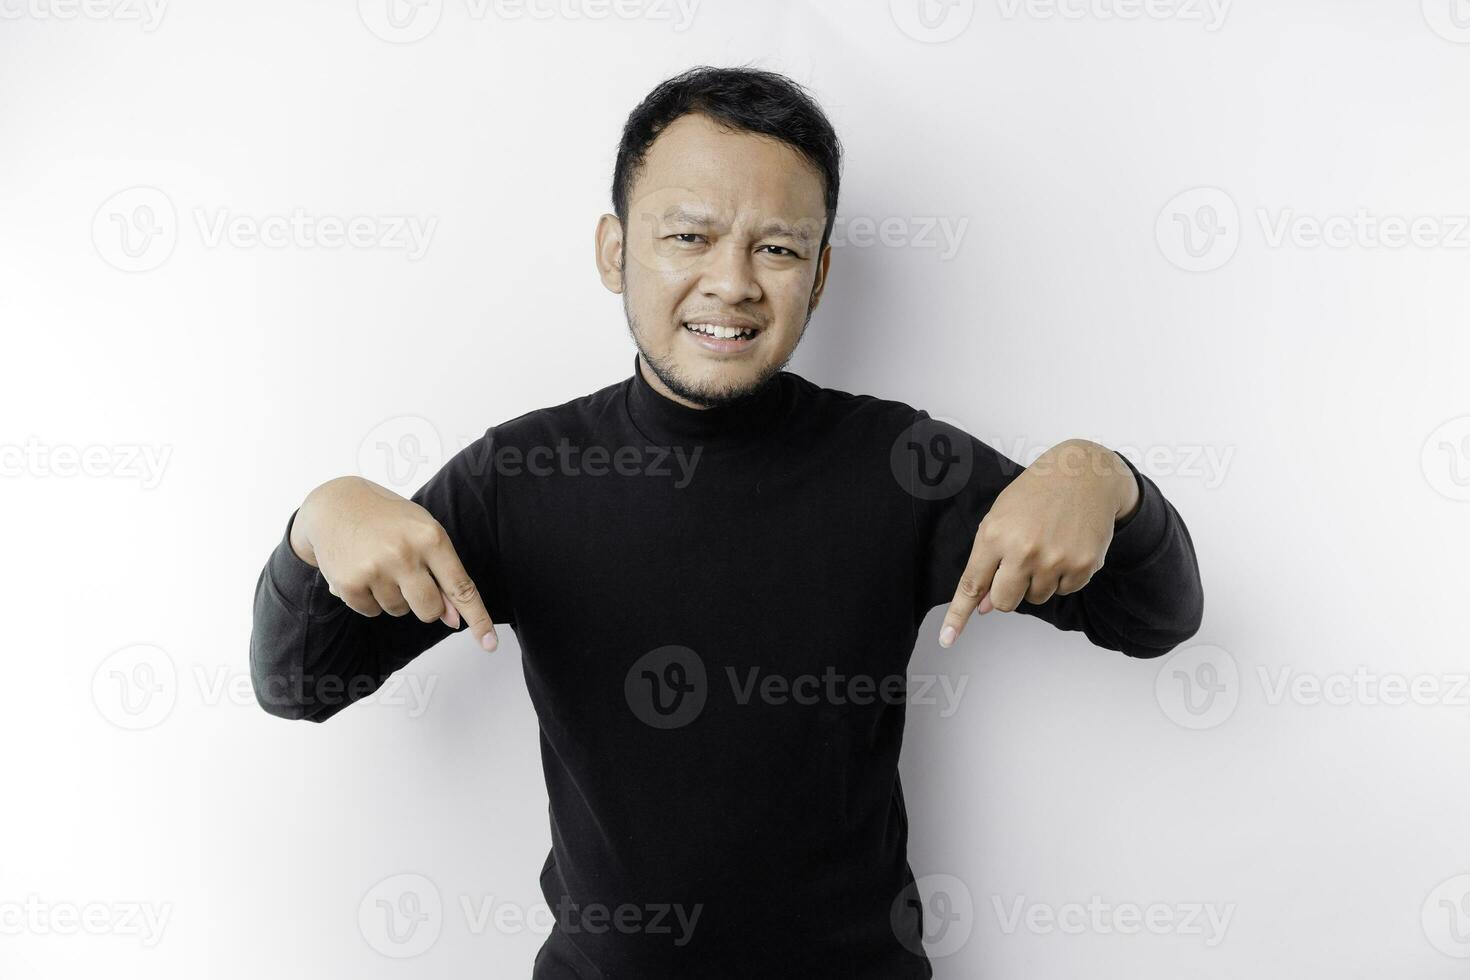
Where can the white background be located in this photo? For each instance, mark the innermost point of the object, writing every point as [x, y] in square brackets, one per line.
[1304, 406]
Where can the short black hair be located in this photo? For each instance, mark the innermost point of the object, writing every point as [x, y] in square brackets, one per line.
[752, 100]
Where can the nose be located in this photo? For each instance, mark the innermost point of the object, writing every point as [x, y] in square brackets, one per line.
[729, 274]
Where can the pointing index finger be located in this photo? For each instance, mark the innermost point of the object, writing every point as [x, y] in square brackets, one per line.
[463, 597]
[974, 585]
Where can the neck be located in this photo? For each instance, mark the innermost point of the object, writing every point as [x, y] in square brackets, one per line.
[670, 420]
[657, 384]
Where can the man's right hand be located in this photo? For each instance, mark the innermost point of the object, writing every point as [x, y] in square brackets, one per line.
[380, 552]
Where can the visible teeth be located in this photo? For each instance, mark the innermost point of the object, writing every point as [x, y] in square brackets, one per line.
[717, 331]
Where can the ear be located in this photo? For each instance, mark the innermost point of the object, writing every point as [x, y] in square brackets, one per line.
[821, 282]
[610, 252]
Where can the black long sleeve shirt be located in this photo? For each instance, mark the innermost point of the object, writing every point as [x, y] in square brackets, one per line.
[716, 610]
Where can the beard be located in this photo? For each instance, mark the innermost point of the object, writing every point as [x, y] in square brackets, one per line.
[704, 396]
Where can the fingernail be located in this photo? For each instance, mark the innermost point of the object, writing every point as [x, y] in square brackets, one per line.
[946, 636]
[489, 641]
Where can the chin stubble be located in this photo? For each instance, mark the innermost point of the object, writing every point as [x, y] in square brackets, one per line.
[664, 369]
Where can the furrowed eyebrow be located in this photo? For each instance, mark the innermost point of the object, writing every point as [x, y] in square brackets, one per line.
[680, 214]
[780, 229]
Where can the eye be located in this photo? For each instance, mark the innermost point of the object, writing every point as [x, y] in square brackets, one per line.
[686, 237]
[780, 251]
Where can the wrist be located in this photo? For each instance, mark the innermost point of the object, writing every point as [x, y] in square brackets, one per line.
[1130, 494]
[300, 543]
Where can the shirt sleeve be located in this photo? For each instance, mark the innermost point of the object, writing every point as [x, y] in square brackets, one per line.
[311, 655]
[1145, 600]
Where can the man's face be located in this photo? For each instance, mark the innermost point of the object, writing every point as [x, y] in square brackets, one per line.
[718, 263]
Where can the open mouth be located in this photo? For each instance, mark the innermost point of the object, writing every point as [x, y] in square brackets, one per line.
[721, 338]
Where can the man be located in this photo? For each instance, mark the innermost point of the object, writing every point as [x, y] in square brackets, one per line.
[716, 571]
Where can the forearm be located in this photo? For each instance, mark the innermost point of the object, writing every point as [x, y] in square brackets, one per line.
[310, 655]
